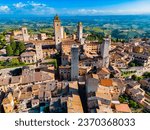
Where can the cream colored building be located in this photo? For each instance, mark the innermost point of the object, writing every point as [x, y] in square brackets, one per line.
[92, 48]
[21, 34]
[28, 57]
[42, 36]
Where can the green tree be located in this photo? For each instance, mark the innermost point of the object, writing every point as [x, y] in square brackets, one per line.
[146, 75]
[2, 41]
[9, 50]
[13, 45]
[136, 78]
[1, 46]
[11, 39]
[2, 38]
[133, 104]
[16, 53]
[131, 64]
[21, 47]
[122, 99]
[14, 61]
[55, 63]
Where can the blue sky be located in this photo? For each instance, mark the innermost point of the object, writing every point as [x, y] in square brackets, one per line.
[74, 7]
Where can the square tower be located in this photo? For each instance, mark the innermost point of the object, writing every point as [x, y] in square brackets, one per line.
[80, 31]
[105, 48]
[39, 51]
[74, 62]
[25, 34]
[62, 32]
[58, 32]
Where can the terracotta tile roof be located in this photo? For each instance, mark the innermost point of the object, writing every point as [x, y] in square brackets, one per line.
[95, 76]
[104, 109]
[46, 76]
[73, 85]
[106, 82]
[31, 53]
[103, 92]
[104, 95]
[15, 79]
[37, 76]
[27, 78]
[4, 81]
[74, 104]
[43, 42]
[105, 71]
[26, 96]
[122, 108]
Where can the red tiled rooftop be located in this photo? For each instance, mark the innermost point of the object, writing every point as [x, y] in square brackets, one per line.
[106, 82]
[122, 108]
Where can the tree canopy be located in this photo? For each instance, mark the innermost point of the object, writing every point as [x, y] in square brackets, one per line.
[15, 48]
[9, 50]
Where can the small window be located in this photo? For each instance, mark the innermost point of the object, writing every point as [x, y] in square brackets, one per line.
[25, 32]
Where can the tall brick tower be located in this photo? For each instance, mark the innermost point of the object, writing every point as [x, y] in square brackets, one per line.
[57, 29]
[80, 31]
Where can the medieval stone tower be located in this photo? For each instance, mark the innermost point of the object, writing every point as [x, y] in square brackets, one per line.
[39, 51]
[74, 62]
[105, 48]
[80, 31]
[58, 32]
[25, 34]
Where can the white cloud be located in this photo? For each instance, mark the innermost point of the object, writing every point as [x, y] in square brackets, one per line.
[93, 11]
[139, 7]
[34, 8]
[19, 5]
[32, 3]
[29, 3]
[40, 8]
[4, 9]
[90, 12]
[43, 11]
